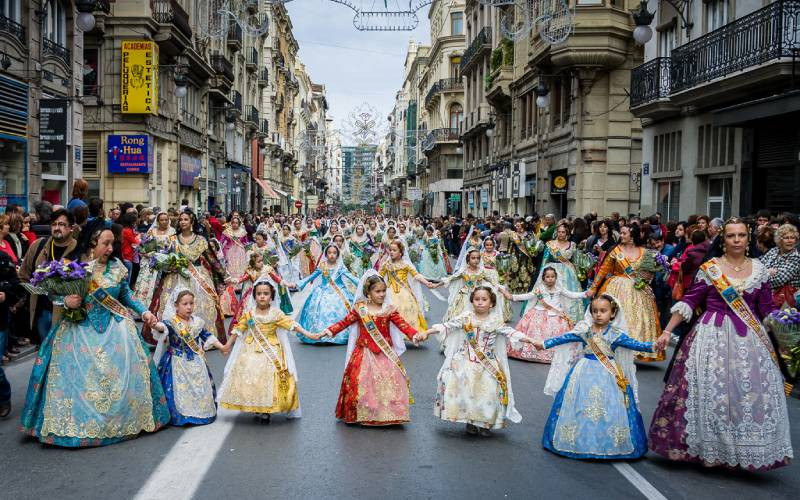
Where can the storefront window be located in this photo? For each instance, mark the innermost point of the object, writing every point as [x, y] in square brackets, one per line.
[12, 173]
[719, 197]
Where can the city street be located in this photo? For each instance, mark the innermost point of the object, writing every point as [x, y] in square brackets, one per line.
[318, 457]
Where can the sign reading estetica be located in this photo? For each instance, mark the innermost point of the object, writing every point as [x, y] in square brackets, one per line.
[139, 77]
[129, 154]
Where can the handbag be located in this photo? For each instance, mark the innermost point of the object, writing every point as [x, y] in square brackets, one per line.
[677, 288]
[784, 295]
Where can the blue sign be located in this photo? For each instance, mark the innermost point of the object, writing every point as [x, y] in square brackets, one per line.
[129, 154]
[191, 166]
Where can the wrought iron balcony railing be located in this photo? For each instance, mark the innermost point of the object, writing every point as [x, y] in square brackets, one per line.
[265, 127]
[57, 51]
[263, 77]
[171, 12]
[236, 99]
[439, 135]
[252, 116]
[222, 66]
[13, 28]
[235, 36]
[444, 85]
[767, 34]
[253, 59]
[481, 41]
[650, 81]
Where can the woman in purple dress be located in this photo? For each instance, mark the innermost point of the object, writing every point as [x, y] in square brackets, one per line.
[724, 402]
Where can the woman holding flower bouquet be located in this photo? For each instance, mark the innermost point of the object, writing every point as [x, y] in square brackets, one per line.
[190, 262]
[156, 238]
[234, 242]
[625, 273]
[522, 246]
[358, 253]
[433, 260]
[561, 255]
[93, 383]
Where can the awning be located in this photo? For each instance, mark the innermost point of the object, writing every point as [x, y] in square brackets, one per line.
[282, 193]
[267, 188]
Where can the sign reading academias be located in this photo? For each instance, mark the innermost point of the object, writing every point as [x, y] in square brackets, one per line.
[139, 77]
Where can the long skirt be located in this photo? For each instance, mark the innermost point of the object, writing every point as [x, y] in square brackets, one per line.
[641, 313]
[723, 403]
[467, 393]
[323, 308]
[373, 392]
[189, 388]
[538, 325]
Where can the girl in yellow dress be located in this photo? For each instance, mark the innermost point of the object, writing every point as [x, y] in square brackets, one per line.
[403, 280]
[260, 376]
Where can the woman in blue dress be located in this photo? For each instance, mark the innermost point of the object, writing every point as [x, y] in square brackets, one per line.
[433, 255]
[595, 414]
[93, 382]
[330, 298]
[560, 254]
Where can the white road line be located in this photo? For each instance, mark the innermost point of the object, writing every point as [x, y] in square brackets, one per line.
[645, 488]
[182, 470]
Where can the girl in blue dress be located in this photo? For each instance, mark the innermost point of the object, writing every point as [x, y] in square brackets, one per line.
[330, 298]
[595, 413]
[432, 255]
[93, 382]
[180, 358]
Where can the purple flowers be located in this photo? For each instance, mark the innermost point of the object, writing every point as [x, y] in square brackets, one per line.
[787, 317]
[662, 261]
[60, 270]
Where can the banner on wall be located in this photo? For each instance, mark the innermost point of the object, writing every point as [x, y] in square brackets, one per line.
[191, 167]
[139, 77]
[53, 120]
[129, 154]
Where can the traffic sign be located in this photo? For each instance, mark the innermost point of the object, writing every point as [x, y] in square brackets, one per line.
[298, 204]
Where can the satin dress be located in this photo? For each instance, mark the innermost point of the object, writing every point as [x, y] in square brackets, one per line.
[328, 302]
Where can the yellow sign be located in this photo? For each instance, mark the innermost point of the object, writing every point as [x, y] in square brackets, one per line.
[560, 182]
[139, 77]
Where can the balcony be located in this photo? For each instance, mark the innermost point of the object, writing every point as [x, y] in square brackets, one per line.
[279, 104]
[444, 85]
[251, 117]
[263, 77]
[174, 33]
[234, 37]
[479, 45]
[222, 66]
[236, 99]
[476, 121]
[745, 54]
[252, 60]
[13, 29]
[439, 136]
[265, 127]
[252, 6]
[56, 51]
[650, 89]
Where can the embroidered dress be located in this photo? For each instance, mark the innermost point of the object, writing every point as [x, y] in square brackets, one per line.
[248, 281]
[207, 273]
[522, 268]
[462, 283]
[567, 278]
[374, 389]
[260, 375]
[234, 247]
[328, 302]
[93, 382]
[592, 417]
[724, 403]
[187, 381]
[466, 390]
[545, 317]
[433, 258]
[293, 249]
[359, 255]
[641, 311]
[148, 277]
[405, 292]
[307, 257]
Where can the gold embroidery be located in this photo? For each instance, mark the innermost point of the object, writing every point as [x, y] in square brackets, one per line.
[101, 388]
[595, 409]
[620, 435]
[568, 433]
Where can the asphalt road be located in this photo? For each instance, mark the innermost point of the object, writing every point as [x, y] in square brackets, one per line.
[318, 457]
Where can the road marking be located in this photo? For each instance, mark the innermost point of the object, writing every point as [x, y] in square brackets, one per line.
[182, 470]
[643, 485]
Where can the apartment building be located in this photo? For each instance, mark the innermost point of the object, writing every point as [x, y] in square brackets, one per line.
[719, 103]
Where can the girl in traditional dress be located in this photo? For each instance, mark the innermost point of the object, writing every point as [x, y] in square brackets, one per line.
[262, 245]
[724, 402]
[160, 231]
[180, 358]
[375, 387]
[260, 376]
[359, 251]
[620, 276]
[461, 284]
[489, 255]
[595, 413]
[545, 314]
[474, 383]
[257, 269]
[388, 236]
[93, 382]
[375, 234]
[403, 281]
[434, 259]
[522, 268]
[234, 243]
[291, 247]
[330, 297]
[203, 277]
[307, 258]
[559, 254]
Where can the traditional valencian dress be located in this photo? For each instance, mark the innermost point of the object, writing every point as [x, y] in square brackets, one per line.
[618, 276]
[147, 278]
[566, 276]
[249, 279]
[187, 380]
[405, 292]
[205, 273]
[360, 255]
[460, 286]
[474, 384]
[234, 247]
[522, 267]
[260, 375]
[724, 401]
[434, 260]
[328, 302]
[545, 317]
[595, 413]
[375, 388]
[93, 382]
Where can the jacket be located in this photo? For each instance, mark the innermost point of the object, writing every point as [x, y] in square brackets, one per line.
[29, 265]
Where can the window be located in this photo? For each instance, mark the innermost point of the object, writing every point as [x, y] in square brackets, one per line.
[667, 38]
[455, 67]
[668, 197]
[89, 156]
[456, 23]
[456, 115]
[55, 22]
[719, 197]
[10, 9]
[667, 152]
[716, 14]
[715, 146]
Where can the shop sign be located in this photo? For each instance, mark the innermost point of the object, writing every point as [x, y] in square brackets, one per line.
[53, 120]
[191, 167]
[485, 198]
[129, 154]
[139, 77]
[558, 184]
[455, 197]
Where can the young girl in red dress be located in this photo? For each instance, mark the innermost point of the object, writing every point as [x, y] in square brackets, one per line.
[375, 386]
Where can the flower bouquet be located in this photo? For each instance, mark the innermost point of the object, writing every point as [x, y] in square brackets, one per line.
[294, 250]
[307, 249]
[271, 258]
[648, 266]
[503, 264]
[347, 259]
[533, 246]
[366, 256]
[433, 248]
[147, 245]
[377, 239]
[170, 261]
[60, 278]
[785, 324]
[413, 254]
[583, 262]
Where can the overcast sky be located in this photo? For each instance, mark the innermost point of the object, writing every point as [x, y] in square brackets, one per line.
[355, 66]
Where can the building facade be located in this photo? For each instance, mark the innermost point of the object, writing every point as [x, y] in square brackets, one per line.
[719, 111]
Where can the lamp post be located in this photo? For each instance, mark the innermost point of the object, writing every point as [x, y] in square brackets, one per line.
[85, 20]
[642, 18]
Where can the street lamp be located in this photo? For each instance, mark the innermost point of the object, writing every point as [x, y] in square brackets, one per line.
[181, 85]
[460, 148]
[542, 95]
[230, 120]
[642, 17]
[85, 20]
